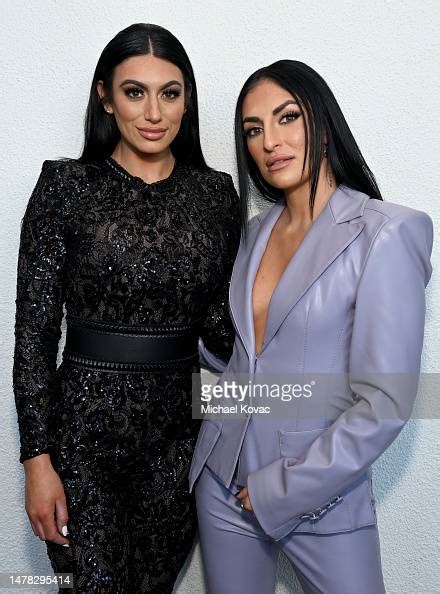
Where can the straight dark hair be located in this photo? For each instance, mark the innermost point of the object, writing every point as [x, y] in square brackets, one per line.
[323, 116]
[101, 133]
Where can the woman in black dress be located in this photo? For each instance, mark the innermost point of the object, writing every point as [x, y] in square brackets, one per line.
[136, 239]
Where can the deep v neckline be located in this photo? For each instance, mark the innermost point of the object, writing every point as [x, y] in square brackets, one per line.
[266, 245]
[281, 278]
[335, 228]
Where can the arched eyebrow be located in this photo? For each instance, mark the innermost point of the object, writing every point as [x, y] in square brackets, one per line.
[145, 86]
[276, 111]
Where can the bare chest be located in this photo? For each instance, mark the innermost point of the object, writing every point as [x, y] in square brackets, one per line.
[280, 250]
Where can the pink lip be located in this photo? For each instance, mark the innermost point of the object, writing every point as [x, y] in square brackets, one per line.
[152, 133]
[278, 162]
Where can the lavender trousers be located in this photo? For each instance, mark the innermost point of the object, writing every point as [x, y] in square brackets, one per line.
[239, 558]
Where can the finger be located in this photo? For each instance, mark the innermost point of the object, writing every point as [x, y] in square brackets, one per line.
[247, 504]
[40, 530]
[54, 536]
[51, 531]
[61, 516]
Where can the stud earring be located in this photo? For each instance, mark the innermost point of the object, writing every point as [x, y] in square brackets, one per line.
[104, 108]
[325, 151]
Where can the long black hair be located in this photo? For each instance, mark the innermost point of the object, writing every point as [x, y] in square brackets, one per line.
[101, 133]
[324, 116]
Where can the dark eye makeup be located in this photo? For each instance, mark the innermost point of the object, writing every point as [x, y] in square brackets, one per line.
[172, 93]
[133, 92]
[286, 118]
[136, 92]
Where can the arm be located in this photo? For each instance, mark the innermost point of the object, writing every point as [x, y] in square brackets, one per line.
[218, 334]
[37, 331]
[39, 310]
[384, 365]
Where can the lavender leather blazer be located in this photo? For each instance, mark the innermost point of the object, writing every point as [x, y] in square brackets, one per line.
[351, 301]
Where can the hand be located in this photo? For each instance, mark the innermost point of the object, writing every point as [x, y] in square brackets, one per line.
[45, 499]
[244, 498]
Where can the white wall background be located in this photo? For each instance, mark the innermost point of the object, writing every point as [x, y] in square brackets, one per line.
[381, 58]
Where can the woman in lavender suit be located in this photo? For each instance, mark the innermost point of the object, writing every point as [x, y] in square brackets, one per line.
[330, 280]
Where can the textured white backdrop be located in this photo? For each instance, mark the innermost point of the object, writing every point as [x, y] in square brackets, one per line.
[382, 61]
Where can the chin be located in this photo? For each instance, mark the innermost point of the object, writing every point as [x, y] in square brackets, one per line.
[283, 182]
[153, 149]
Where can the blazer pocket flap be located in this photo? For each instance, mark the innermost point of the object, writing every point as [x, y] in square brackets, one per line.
[293, 444]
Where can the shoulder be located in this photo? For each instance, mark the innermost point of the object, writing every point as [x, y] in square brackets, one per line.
[58, 181]
[348, 204]
[399, 237]
[381, 219]
[222, 176]
[395, 214]
[216, 189]
[211, 178]
[63, 182]
[388, 221]
[66, 170]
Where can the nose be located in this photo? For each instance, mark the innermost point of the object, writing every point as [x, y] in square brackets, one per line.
[152, 110]
[270, 139]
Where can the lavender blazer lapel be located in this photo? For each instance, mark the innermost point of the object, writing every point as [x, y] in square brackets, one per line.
[243, 274]
[331, 233]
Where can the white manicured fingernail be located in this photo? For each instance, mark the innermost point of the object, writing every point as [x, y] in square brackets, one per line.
[66, 545]
[64, 531]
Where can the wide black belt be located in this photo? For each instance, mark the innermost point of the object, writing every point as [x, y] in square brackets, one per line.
[128, 348]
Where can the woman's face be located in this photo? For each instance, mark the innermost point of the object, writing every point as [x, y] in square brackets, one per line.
[275, 136]
[148, 102]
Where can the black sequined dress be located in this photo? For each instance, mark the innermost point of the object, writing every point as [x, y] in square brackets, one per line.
[117, 251]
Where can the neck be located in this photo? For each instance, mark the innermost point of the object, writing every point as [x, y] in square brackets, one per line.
[149, 167]
[297, 199]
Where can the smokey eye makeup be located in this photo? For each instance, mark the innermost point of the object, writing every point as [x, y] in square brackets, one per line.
[133, 92]
[285, 118]
[290, 116]
[172, 93]
[136, 93]
[251, 132]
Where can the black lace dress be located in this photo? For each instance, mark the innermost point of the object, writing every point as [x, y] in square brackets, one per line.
[119, 252]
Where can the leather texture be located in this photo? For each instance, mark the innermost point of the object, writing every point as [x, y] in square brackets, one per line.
[351, 302]
[232, 541]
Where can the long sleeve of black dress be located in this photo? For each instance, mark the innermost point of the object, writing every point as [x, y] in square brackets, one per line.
[39, 310]
[218, 334]
[113, 249]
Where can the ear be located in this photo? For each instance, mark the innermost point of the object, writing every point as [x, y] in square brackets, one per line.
[105, 103]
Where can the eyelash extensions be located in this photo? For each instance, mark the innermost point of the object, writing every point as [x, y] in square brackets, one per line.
[169, 93]
[292, 115]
